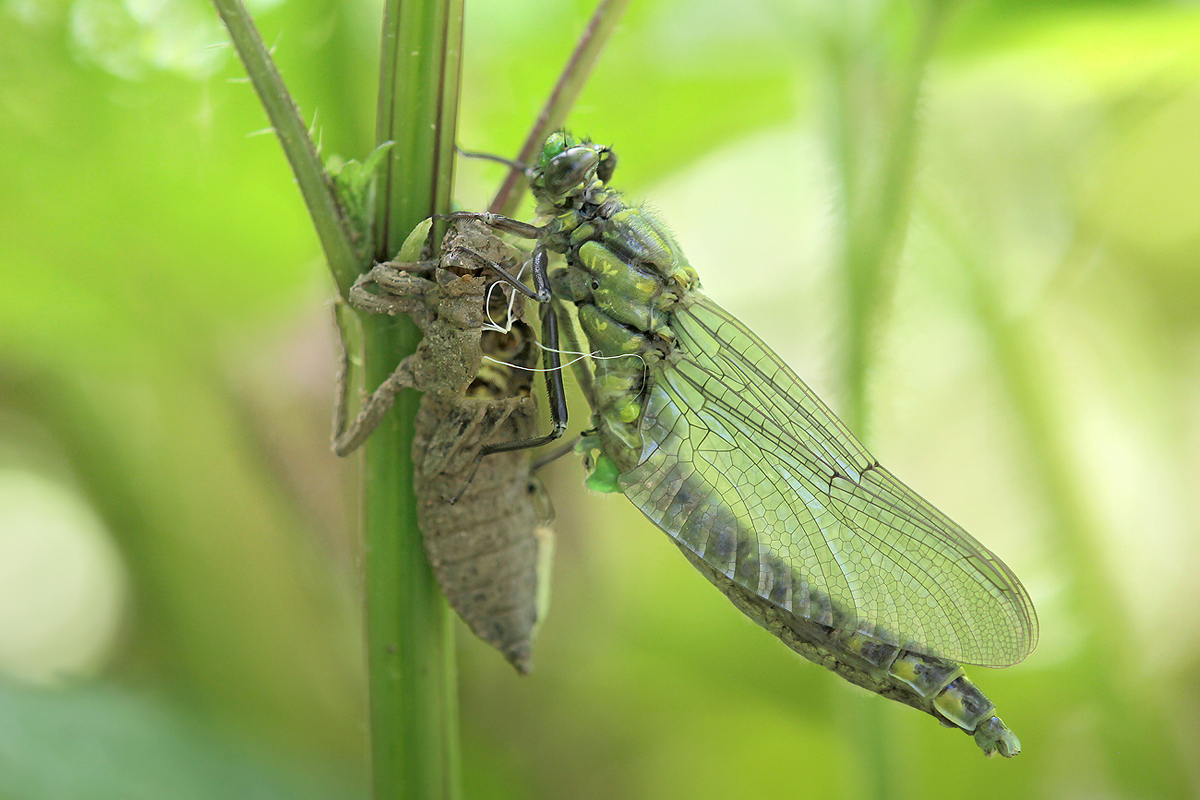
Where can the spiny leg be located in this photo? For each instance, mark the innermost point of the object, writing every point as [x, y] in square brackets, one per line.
[404, 291]
[555, 390]
[342, 377]
[479, 430]
[469, 259]
[582, 367]
[406, 294]
[539, 261]
[502, 223]
[348, 439]
[555, 454]
[507, 406]
[557, 396]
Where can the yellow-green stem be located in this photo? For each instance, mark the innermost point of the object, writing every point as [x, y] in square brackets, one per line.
[876, 174]
[410, 655]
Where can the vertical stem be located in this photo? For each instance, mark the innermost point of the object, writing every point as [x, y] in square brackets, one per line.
[875, 154]
[570, 83]
[410, 655]
[315, 185]
[876, 194]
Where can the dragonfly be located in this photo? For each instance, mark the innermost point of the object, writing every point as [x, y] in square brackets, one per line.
[484, 524]
[766, 492]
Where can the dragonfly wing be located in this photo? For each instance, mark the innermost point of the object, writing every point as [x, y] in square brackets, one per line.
[746, 467]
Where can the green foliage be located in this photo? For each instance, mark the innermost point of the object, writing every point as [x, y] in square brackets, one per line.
[357, 184]
[105, 743]
[165, 354]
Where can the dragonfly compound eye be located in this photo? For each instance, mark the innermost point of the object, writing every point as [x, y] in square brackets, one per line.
[608, 164]
[567, 174]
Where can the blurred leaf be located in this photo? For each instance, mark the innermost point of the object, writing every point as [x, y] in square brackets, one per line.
[164, 321]
[100, 743]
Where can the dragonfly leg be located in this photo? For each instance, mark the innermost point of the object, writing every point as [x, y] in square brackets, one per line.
[348, 438]
[468, 259]
[502, 223]
[554, 380]
[553, 389]
[516, 166]
[555, 454]
[558, 402]
[570, 330]
[403, 291]
[506, 406]
[479, 429]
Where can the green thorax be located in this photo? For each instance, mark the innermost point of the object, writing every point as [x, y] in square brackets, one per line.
[625, 274]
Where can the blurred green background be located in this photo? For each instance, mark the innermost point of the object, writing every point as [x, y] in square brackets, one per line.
[179, 606]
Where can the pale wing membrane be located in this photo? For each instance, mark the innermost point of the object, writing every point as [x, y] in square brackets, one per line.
[747, 468]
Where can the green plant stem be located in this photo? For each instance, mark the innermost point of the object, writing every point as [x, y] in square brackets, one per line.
[410, 656]
[876, 174]
[315, 186]
[566, 91]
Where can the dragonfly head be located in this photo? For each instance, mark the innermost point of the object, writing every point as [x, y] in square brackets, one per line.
[569, 170]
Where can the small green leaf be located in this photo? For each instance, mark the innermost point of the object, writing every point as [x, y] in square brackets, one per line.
[355, 185]
[602, 470]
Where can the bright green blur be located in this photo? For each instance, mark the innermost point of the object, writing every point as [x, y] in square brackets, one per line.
[165, 355]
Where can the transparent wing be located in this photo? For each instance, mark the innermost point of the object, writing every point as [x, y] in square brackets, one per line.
[746, 467]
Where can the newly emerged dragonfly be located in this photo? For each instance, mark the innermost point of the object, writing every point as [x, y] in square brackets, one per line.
[718, 442]
[484, 523]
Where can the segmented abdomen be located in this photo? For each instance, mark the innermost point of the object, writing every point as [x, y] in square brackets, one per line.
[484, 521]
[485, 548]
[933, 685]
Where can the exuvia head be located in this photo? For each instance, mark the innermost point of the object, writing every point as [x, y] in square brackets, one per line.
[569, 169]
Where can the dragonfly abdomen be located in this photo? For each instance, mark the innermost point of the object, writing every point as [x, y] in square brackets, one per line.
[933, 685]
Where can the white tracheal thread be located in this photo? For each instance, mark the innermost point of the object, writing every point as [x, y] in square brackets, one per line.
[492, 325]
[580, 356]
